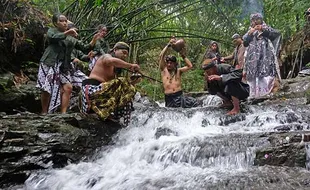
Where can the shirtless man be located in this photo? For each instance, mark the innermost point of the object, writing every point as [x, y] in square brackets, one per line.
[171, 77]
[104, 92]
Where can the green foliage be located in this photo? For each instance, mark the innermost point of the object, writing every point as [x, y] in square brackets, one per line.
[148, 24]
[193, 81]
[287, 15]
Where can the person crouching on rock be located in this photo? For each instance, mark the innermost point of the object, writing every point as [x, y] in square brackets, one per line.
[226, 82]
[171, 77]
[104, 92]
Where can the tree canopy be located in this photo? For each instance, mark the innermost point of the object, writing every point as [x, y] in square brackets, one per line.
[148, 24]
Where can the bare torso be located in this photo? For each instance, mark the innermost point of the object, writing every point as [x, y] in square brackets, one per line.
[102, 72]
[171, 81]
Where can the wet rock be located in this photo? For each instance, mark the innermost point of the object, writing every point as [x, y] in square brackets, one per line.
[164, 132]
[24, 98]
[293, 155]
[143, 101]
[30, 142]
[228, 119]
[22, 34]
[289, 127]
[6, 81]
[287, 149]
[205, 122]
[288, 117]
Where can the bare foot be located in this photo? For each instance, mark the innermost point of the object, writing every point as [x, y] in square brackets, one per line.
[233, 112]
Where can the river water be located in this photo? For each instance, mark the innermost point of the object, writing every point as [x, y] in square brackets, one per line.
[178, 149]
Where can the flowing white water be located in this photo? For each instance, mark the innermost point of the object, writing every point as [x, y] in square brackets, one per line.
[169, 149]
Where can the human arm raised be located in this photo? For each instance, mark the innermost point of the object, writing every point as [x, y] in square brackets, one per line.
[79, 44]
[270, 33]
[162, 55]
[188, 63]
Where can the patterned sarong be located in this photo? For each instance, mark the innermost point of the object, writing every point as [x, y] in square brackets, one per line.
[111, 99]
[77, 79]
[50, 80]
[92, 63]
[77, 76]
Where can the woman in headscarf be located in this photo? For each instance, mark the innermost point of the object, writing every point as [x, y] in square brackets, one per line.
[213, 53]
[261, 65]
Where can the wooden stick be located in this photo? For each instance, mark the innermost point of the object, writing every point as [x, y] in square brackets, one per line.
[144, 75]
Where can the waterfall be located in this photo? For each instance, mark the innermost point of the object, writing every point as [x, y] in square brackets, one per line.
[162, 148]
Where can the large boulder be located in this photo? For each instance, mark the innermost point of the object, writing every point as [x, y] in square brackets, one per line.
[30, 142]
[286, 149]
[18, 94]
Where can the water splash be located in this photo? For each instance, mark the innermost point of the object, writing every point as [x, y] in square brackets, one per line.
[166, 148]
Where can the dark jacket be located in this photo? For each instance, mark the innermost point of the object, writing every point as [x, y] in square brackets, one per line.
[231, 84]
[60, 48]
[79, 55]
[101, 47]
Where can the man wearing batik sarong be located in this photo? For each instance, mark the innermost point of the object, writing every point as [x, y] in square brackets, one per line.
[261, 65]
[106, 94]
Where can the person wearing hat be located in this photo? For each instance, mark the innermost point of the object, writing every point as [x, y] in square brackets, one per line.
[104, 92]
[237, 56]
[261, 69]
[212, 55]
[171, 77]
[226, 82]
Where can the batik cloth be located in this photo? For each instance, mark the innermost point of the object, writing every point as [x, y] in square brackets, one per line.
[50, 80]
[92, 63]
[261, 63]
[77, 76]
[112, 99]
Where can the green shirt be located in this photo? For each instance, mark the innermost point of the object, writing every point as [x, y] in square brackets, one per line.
[79, 55]
[101, 47]
[60, 48]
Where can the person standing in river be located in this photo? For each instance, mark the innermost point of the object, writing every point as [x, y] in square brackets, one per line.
[171, 77]
[54, 78]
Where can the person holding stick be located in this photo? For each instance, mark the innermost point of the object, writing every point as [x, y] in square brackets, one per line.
[171, 76]
[104, 92]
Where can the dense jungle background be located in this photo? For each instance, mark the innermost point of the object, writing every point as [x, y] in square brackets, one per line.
[147, 25]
